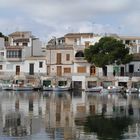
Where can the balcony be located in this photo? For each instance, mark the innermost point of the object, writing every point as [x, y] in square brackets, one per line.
[80, 60]
[59, 46]
[14, 47]
[14, 59]
[79, 47]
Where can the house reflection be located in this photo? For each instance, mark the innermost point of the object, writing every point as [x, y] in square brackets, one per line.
[14, 124]
[63, 115]
[58, 117]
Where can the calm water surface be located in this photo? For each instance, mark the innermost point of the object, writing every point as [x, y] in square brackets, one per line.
[68, 116]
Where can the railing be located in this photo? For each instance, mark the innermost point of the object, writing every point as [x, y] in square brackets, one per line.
[80, 59]
[79, 47]
[57, 46]
[124, 74]
[14, 59]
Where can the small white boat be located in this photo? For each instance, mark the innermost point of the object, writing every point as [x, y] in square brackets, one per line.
[21, 84]
[97, 89]
[46, 84]
[61, 88]
[18, 87]
[94, 89]
[132, 90]
[47, 88]
[115, 89]
[6, 85]
[62, 85]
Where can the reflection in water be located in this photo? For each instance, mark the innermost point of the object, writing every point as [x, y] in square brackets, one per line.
[14, 124]
[106, 127]
[69, 115]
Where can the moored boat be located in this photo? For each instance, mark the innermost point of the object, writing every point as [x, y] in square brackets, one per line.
[46, 84]
[132, 90]
[20, 83]
[94, 89]
[6, 85]
[97, 89]
[62, 85]
[61, 88]
[115, 89]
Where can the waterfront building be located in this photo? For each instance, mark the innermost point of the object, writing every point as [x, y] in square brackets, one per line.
[65, 57]
[82, 73]
[22, 55]
[129, 74]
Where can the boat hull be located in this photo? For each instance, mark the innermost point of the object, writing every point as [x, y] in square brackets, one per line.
[47, 88]
[61, 88]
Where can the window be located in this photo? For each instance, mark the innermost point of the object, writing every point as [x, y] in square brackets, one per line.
[25, 44]
[14, 54]
[79, 54]
[81, 69]
[58, 59]
[67, 57]
[40, 64]
[67, 70]
[131, 68]
[87, 43]
[0, 67]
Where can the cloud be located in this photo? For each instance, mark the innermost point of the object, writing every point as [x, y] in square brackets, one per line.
[47, 18]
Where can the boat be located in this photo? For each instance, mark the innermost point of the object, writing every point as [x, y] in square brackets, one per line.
[132, 90]
[46, 84]
[61, 88]
[115, 89]
[62, 85]
[6, 85]
[97, 89]
[21, 84]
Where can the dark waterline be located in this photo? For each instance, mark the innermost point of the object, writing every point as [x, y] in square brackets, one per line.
[68, 116]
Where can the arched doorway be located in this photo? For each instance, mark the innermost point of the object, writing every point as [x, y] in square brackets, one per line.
[79, 54]
[92, 70]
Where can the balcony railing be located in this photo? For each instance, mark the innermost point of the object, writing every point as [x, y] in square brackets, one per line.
[79, 47]
[14, 59]
[124, 74]
[80, 59]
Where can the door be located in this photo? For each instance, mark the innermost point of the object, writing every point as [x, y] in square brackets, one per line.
[17, 70]
[105, 71]
[122, 71]
[92, 70]
[59, 71]
[131, 68]
[31, 69]
[58, 59]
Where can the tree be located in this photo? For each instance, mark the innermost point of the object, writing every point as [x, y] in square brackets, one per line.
[107, 51]
[5, 37]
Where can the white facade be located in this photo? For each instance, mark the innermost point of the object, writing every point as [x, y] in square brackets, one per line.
[35, 61]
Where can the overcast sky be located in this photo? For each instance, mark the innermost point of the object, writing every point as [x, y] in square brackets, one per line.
[47, 18]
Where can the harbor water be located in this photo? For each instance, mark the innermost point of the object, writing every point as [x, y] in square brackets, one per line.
[76, 115]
